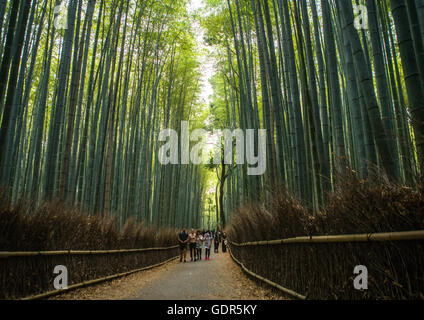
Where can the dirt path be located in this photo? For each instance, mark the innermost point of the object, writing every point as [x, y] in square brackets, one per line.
[219, 278]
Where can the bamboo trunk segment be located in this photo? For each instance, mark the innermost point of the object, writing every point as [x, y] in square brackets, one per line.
[7, 254]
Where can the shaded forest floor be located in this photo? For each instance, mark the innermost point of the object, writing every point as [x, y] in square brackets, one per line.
[219, 278]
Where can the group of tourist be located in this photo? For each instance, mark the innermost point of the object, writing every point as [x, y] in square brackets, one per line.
[199, 240]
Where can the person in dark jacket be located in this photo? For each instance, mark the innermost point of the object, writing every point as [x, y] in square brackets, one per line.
[224, 242]
[183, 239]
[216, 241]
[192, 244]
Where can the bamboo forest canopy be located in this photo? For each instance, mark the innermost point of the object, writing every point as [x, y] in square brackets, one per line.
[85, 88]
[338, 85]
[87, 85]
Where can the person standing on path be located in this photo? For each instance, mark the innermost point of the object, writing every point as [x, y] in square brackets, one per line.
[207, 246]
[183, 239]
[216, 242]
[199, 244]
[192, 245]
[224, 242]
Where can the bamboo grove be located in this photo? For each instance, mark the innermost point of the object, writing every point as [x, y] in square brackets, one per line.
[85, 87]
[331, 95]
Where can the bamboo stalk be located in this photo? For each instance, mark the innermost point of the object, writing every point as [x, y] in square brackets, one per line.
[8, 254]
[364, 237]
[275, 285]
[95, 281]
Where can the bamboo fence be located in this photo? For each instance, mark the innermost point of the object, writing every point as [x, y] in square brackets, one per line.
[28, 269]
[280, 262]
[273, 284]
[93, 282]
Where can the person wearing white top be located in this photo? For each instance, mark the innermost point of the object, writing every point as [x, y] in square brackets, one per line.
[207, 246]
[199, 245]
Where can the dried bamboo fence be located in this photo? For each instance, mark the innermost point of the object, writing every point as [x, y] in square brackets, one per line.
[30, 274]
[321, 267]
